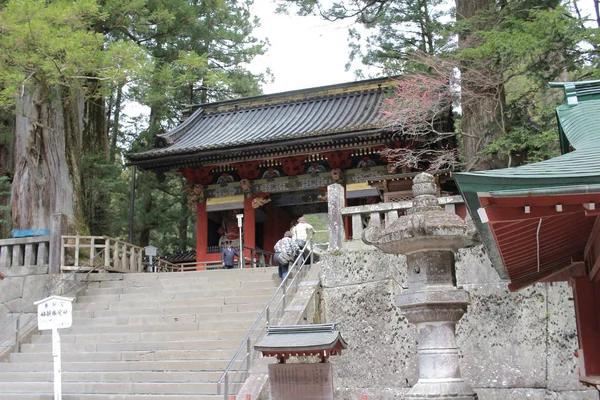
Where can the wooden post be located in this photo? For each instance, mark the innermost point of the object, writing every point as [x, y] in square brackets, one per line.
[335, 196]
[107, 252]
[57, 229]
[77, 244]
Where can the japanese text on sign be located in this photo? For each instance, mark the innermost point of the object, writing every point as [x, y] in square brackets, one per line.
[55, 313]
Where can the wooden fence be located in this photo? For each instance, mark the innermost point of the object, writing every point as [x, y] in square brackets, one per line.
[80, 253]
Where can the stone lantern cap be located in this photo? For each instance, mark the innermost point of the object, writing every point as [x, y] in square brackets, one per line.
[426, 227]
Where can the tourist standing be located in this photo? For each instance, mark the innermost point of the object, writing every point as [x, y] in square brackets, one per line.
[228, 254]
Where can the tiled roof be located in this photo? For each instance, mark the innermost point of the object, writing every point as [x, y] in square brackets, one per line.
[301, 338]
[310, 113]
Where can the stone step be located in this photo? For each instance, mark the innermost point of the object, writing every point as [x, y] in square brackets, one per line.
[211, 275]
[199, 326]
[110, 387]
[111, 366]
[198, 293]
[152, 303]
[183, 286]
[138, 318]
[144, 355]
[116, 337]
[145, 336]
[133, 346]
[136, 376]
[197, 309]
[104, 396]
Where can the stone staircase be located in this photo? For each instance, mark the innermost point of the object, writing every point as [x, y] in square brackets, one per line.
[145, 336]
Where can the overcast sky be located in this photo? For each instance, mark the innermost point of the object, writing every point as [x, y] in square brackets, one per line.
[305, 51]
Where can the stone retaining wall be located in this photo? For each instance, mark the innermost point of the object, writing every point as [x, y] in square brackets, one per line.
[512, 345]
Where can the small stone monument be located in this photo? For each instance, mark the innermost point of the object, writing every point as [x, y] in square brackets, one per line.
[301, 381]
[429, 237]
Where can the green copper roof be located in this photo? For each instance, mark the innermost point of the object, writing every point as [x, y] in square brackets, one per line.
[579, 124]
[579, 121]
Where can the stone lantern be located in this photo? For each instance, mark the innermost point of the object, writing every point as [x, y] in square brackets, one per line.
[429, 237]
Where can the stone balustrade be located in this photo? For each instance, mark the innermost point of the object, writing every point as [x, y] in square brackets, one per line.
[379, 215]
[24, 252]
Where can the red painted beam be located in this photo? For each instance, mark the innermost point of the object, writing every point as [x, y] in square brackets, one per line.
[560, 274]
[496, 213]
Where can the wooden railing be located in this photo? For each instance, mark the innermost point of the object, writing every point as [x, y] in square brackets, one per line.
[24, 252]
[119, 256]
[258, 259]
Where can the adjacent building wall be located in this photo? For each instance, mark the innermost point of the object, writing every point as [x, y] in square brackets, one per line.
[513, 346]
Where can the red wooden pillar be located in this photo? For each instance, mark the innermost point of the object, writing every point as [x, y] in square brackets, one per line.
[201, 235]
[249, 226]
[587, 313]
[270, 230]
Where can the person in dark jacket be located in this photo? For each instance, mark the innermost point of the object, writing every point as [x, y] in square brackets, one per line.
[228, 254]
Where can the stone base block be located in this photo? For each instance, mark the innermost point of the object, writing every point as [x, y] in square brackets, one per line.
[441, 390]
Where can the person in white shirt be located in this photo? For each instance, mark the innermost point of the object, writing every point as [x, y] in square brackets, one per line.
[301, 232]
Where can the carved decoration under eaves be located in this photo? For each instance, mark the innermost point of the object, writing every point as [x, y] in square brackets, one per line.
[259, 202]
[316, 168]
[366, 162]
[248, 170]
[337, 175]
[225, 178]
[201, 175]
[339, 159]
[271, 173]
[293, 166]
[246, 185]
[195, 195]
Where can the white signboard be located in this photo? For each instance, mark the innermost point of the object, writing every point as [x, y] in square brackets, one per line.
[55, 312]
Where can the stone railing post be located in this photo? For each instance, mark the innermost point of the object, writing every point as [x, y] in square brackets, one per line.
[335, 198]
[56, 231]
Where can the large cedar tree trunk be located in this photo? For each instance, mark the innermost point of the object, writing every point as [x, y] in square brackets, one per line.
[49, 142]
[7, 126]
[483, 100]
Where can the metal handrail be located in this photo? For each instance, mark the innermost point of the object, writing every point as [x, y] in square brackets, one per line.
[287, 288]
[71, 277]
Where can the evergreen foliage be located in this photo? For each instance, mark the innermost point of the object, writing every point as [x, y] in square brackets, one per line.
[162, 55]
[508, 50]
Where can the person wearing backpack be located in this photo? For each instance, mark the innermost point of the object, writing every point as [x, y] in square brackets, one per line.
[285, 252]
